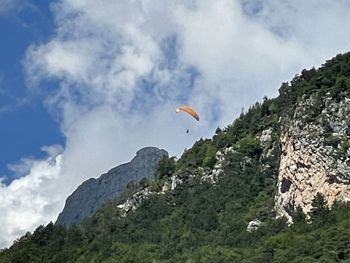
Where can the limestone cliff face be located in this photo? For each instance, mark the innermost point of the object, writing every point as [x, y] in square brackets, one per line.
[93, 193]
[315, 155]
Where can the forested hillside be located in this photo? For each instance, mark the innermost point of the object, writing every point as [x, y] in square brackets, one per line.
[198, 207]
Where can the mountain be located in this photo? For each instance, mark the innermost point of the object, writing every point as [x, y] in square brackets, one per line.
[93, 193]
[271, 187]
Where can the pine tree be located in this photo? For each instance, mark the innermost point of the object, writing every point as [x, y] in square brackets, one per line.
[320, 212]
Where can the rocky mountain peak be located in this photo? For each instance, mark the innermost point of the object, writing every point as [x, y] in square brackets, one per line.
[93, 193]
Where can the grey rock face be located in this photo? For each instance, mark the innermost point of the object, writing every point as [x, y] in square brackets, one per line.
[93, 193]
[315, 156]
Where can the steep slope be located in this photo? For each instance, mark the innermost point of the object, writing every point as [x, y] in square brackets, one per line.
[228, 199]
[93, 193]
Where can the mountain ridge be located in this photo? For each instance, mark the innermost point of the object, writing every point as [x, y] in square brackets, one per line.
[93, 193]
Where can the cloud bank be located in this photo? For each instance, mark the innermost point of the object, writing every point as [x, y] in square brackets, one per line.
[122, 68]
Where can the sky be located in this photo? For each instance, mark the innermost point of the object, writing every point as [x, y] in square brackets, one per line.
[84, 84]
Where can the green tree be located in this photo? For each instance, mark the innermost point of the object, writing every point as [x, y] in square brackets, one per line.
[320, 213]
[165, 168]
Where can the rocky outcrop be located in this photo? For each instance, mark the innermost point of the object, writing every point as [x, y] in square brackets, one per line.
[134, 201]
[93, 193]
[315, 156]
[212, 175]
[205, 174]
[253, 225]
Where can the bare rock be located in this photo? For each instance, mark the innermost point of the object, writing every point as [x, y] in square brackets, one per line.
[253, 225]
[93, 193]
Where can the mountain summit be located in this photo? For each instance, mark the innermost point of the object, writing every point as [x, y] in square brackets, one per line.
[93, 193]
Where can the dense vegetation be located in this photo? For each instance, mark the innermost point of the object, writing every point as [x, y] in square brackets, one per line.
[204, 222]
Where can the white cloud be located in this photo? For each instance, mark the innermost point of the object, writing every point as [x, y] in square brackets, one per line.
[24, 203]
[124, 66]
[235, 55]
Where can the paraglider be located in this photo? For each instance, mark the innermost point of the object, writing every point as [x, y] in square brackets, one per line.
[188, 110]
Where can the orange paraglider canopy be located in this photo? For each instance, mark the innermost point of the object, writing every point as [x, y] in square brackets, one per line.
[188, 110]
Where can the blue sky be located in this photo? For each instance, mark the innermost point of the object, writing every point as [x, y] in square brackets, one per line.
[25, 123]
[85, 84]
